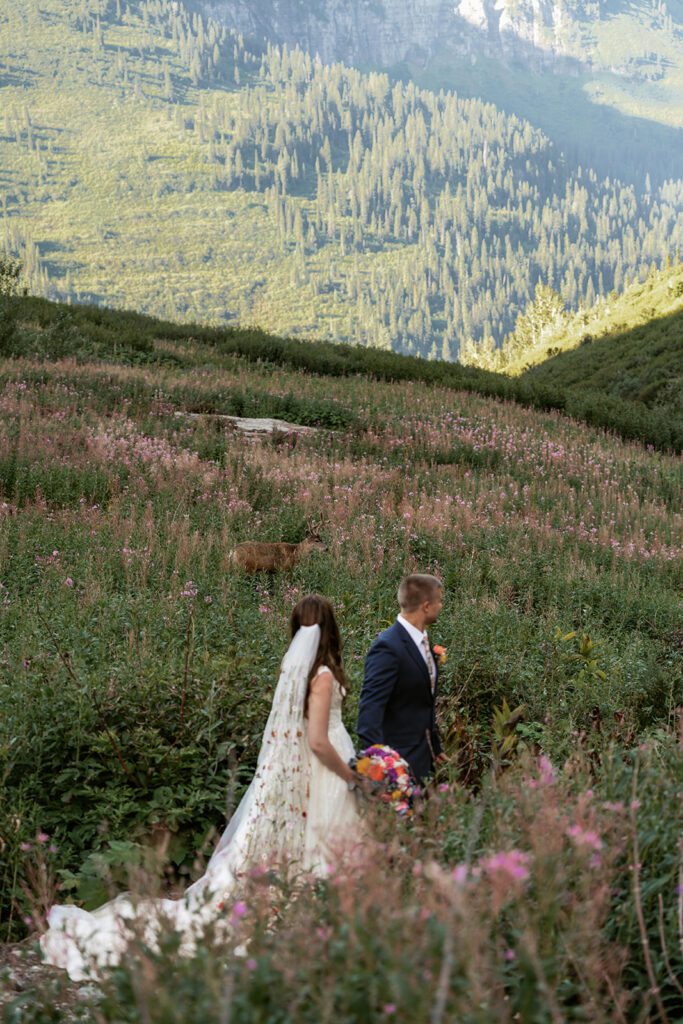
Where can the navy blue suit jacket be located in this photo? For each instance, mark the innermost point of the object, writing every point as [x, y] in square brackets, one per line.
[396, 702]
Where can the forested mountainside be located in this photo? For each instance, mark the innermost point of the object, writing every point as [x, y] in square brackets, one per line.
[602, 79]
[389, 31]
[150, 160]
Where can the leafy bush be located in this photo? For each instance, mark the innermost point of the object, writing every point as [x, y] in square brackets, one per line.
[10, 273]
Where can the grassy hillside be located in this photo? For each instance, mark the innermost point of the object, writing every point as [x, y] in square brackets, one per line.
[137, 668]
[630, 346]
[47, 330]
[150, 161]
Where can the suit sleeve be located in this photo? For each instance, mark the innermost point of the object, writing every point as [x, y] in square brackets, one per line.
[381, 673]
[437, 745]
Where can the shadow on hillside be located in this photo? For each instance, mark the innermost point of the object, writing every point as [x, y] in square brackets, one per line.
[589, 133]
[641, 364]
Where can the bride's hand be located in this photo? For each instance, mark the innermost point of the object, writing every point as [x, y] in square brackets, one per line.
[365, 785]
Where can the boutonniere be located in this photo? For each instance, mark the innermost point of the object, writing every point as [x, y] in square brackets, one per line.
[440, 654]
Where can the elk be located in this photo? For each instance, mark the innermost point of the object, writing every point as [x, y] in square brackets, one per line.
[254, 556]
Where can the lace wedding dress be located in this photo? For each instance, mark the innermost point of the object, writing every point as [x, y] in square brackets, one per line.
[295, 812]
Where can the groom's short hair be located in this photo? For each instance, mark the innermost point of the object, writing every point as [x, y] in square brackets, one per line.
[414, 590]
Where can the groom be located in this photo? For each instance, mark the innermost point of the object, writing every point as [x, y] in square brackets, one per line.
[401, 678]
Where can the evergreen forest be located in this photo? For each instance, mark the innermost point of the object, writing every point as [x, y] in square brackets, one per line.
[151, 160]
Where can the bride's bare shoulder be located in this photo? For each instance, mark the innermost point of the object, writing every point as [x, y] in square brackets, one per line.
[323, 678]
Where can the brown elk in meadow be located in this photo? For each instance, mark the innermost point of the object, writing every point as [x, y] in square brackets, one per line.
[254, 556]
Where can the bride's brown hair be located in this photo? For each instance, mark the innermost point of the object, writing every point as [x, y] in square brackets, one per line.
[312, 610]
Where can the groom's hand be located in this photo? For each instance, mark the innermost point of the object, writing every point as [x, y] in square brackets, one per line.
[442, 759]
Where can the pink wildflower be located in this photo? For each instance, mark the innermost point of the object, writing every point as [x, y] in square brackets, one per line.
[587, 838]
[389, 1009]
[443, 787]
[42, 837]
[69, 582]
[25, 847]
[512, 863]
[460, 873]
[546, 771]
[251, 964]
[239, 910]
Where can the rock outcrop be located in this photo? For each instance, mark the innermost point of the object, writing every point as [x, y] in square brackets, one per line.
[370, 32]
[381, 33]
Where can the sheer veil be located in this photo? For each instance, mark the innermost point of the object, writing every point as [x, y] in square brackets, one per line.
[279, 789]
[269, 826]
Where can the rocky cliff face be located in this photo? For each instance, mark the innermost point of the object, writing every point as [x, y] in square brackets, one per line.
[385, 32]
[372, 32]
[541, 27]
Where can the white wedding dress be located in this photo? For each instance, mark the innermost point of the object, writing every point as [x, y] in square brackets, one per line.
[296, 813]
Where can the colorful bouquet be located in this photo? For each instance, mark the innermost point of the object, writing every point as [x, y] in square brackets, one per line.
[387, 776]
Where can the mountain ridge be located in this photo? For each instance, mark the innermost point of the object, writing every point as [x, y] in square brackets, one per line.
[385, 32]
[151, 160]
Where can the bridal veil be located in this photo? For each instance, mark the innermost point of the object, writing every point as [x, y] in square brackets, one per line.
[268, 827]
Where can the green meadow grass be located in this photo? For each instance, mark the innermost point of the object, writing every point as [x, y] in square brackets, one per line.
[138, 665]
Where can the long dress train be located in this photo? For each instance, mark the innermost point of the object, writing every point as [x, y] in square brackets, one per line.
[295, 811]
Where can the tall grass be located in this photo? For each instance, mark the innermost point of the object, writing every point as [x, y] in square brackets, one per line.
[137, 669]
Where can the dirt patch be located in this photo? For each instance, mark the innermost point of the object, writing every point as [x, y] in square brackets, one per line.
[23, 976]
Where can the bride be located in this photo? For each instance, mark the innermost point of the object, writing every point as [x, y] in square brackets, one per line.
[299, 809]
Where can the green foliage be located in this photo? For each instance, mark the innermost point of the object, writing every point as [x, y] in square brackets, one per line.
[538, 321]
[505, 736]
[10, 273]
[648, 783]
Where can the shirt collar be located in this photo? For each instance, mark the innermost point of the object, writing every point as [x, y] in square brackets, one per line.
[415, 633]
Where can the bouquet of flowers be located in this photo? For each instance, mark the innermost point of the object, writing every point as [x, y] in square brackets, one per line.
[387, 775]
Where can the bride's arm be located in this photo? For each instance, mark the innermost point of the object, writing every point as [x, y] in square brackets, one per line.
[319, 702]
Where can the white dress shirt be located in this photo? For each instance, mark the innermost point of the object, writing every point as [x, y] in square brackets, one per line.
[417, 637]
